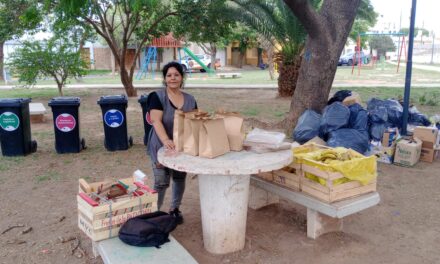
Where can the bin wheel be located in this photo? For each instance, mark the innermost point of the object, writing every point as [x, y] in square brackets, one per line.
[130, 141]
[83, 143]
[33, 146]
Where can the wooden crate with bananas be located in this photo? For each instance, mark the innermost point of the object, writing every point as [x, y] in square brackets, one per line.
[321, 175]
[288, 176]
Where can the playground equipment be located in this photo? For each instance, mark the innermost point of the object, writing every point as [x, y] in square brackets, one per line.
[189, 65]
[358, 49]
[150, 57]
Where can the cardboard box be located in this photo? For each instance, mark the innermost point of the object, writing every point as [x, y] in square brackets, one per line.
[389, 136]
[385, 154]
[429, 137]
[408, 152]
[426, 134]
[427, 155]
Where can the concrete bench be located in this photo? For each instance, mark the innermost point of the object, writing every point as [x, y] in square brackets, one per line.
[114, 251]
[321, 217]
[37, 112]
[229, 75]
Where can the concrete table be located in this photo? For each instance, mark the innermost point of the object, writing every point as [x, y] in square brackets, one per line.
[224, 191]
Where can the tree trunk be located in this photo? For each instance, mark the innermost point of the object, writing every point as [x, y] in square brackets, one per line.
[1, 60]
[288, 78]
[127, 82]
[213, 55]
[327, 33]
[240, 60]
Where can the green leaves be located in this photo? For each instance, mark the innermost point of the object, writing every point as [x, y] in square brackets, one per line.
[57, 58]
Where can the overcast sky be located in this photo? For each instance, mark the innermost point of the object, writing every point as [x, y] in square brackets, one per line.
[427, 13]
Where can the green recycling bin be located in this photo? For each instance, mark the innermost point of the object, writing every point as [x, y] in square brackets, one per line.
[15, 127]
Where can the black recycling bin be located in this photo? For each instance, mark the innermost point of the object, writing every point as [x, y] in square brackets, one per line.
[15, 127]
[145, 117]
[66, 124]
[114, 120]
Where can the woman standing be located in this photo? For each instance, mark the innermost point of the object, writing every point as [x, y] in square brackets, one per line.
[162, 105]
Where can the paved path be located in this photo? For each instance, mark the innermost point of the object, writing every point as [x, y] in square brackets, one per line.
[221, 86]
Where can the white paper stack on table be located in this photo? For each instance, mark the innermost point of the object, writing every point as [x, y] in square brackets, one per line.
[262, 141]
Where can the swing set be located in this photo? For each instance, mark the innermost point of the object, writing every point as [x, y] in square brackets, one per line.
[373, 61]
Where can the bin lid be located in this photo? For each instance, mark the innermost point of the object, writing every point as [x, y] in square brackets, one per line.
[14, 102]
[64, 100]
[113, 99]
[143, 98]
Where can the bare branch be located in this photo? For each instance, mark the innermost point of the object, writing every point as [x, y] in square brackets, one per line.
[146, 35]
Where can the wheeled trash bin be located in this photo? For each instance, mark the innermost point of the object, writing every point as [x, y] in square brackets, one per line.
[66, 124]
[114, 120]
[15, 127]
[145, 116]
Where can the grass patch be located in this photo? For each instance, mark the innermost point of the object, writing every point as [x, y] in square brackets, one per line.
[39, 93]
[48, 176]
[251, 111]
[7, 162]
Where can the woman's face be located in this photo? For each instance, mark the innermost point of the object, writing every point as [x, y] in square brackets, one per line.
[173, 79]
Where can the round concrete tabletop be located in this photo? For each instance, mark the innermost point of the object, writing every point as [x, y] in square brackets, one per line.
[231, 163]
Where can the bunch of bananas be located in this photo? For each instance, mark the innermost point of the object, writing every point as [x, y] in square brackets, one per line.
[330, 156]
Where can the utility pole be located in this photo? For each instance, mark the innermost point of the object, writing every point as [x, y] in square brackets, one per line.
[408, 69]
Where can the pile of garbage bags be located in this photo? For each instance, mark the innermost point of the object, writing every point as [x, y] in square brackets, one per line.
[353, 126]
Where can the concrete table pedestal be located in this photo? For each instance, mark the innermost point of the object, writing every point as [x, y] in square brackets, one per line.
[224, 191]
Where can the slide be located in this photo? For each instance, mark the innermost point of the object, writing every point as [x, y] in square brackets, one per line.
[194, 57]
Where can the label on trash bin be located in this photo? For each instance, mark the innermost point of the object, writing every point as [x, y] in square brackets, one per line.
[65, 122]
[9, 121]
[113, 118]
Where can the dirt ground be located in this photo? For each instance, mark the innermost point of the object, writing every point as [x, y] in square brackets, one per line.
[38, 191]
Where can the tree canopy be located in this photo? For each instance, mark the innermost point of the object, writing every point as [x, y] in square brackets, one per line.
[16, 17]
[382, 44]
[123, 24]
[56, 57]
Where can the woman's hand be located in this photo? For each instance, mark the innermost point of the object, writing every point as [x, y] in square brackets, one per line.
[169, 144]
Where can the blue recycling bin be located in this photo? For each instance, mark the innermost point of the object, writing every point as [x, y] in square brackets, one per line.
[15, 128]
[66, 124]
[114, 120]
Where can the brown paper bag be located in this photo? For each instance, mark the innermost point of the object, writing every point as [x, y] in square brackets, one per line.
[213, 140]
[234, 129]
[179, 117]
[191, 127]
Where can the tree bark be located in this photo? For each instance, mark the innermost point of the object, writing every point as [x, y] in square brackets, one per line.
[127, 82]
[327, 33]
[1, 61]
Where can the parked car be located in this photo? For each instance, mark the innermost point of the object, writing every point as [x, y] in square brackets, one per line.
[347, 59]
[188, 62]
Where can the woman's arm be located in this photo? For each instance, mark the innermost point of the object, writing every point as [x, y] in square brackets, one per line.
[156, 119]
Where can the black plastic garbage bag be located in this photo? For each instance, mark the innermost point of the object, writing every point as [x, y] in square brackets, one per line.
[358, 118]
[307, 127]
[335, 116]
[349, 138]
[339, 96]
[378, 118]
[395, 112]
[416, 118]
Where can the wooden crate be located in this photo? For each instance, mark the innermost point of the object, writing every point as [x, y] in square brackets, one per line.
[289, 176]
[104, 221]
[331, 193]
[268, 176]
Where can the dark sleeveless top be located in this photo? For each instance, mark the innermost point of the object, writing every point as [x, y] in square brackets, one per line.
[154, 143]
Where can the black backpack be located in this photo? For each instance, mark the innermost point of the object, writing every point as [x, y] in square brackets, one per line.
[148, 230]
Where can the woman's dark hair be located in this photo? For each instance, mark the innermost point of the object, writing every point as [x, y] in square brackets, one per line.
[173, 64]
